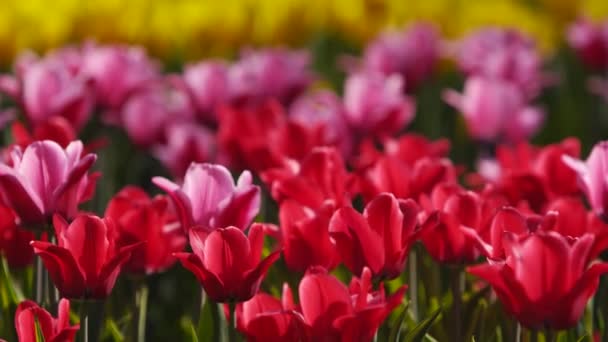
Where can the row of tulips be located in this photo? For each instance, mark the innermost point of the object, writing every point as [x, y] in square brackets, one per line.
[353, 194]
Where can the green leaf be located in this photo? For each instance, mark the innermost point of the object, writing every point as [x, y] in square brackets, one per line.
[418, 333]
[189, 328]
[395, 332]
[39, 335]
[584, 338]
[113, 330]
[14, 292]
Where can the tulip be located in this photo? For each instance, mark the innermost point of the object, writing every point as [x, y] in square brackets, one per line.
[380, 239]
[31, 320]
[375, 104]
[495, 109]
[227, 262]
[14, 241]
[337, 313]
[271, 73]
[207, 84]
[304, 236]
[46, 88]
[590, 41]
[448, 210]
[592, 177]
[265, 318]
[146, 113]
[186, 143]
[503, 54]
[324, 109]
[412, 53]
[210, 199]
[46, 179]
[139, 218]
[86, 261]
[545, 279]
[117, 72]
[56, 128]
[320, 178]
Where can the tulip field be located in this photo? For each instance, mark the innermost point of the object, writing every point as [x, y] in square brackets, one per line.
[427, 181]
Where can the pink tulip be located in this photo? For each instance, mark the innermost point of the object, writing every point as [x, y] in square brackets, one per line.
[592, 175]
[146, 113]
[186, 142]
[495, 110]
[207, 83]
[47, 179]
[117, 71]
[270, 73]
[375, 104]
[45, 88]
[324, 108]
[503, 54]
[412, 53]
[590, 41]
[209, 198]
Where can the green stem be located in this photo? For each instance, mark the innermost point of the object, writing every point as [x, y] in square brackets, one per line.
[232, 333]
[84, 320]
[456, 287]
[550, 335]
[413, 284]
[39, 280]
[143, 309]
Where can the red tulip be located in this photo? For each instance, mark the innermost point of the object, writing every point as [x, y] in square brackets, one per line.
[545, 279]
[590, 41]
[56, 128]
[29, 314]
[140, 218]
[320, 178]
[47, 179]
[304, 236]
[380, 239]
[86, 261]
[209, 197]
[265, 318]
[449, 210]
[14, 241]
[227, 262]
[337, 313]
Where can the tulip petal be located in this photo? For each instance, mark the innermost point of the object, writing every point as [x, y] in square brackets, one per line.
[63, 269]
[110, 270]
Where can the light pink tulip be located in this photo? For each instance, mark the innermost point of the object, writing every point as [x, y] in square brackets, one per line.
[412, 53]
[146, 113]
[207, 84]
[495, 110]
[375, 104]
[46, 179]
[45, 88]
[270, 73]
[117, 71]
[593, 176]
[186, 142]
[209, 198]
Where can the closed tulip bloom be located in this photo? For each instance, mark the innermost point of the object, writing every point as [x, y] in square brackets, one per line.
[45, 88]
[86, 260]
[207, 84]
[140, 218]
[545, 279]
[412, 53]
[590, 41]
[269, 73]
[117, 72]
[336, 313]
[209, 197]
[228, 263]
[495, 109]
[46, 179]
[304, 236]
[375, 104]
[266, 318]
[592, 176]
[52, 329]
[186, 143]
[380, 239]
